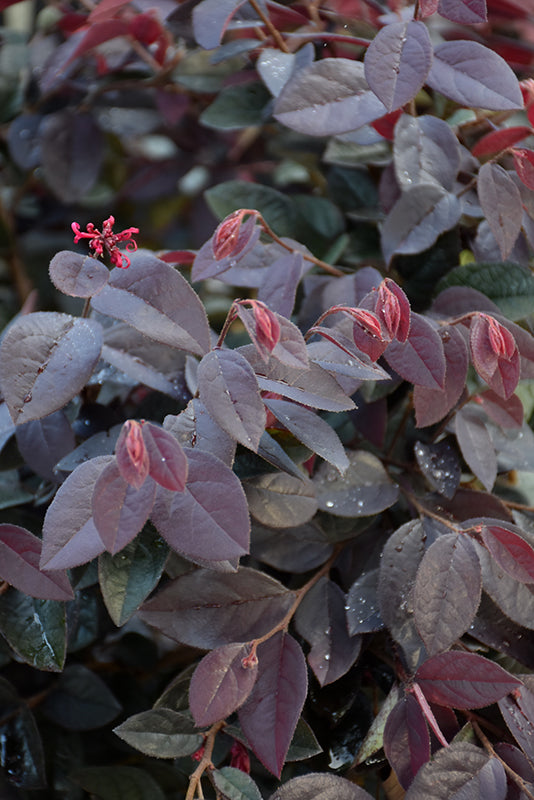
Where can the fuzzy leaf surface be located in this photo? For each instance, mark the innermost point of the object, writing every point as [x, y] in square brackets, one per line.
[155, 299]
[46, 358]
[76, 275]
[398, 61]
[270, 715]
[450, 771]
[447, 591]
[229, 390]
[20, 551]
[406, 739]
[235, 784]
[221, 684]
[160, 733]
[320, 784]
[421, 358]
[466, 12]
[510, 551]
[515, 599]
[206, 609]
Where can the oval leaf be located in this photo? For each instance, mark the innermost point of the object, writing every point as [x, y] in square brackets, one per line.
[160, 733]
[365, 489]
[421, 358]
[46, 358]
[406, 740]
[510, 551]
[220, 684]
[279, 500]
[501, 203]
[320, 784]
[77, 275]
[20, 551]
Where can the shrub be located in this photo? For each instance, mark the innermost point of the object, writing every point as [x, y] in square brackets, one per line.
[267, 498]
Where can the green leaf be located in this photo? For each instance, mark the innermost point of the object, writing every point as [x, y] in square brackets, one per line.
[34, 629]
[509, 285]
[234, 784]
[80, 700]
[160, 733]
[118, 783]
[176, 694]
[127, 578]
[22, 748]
[11, 491]
[303, 744]
[237, 107]
[320, 214]
[277, 209]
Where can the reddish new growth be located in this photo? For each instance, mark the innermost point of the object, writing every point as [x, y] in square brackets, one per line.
[107, 240]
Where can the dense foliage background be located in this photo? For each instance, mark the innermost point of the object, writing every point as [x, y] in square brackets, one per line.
[267, 502]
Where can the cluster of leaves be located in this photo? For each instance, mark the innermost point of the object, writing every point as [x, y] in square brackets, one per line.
[329, 485]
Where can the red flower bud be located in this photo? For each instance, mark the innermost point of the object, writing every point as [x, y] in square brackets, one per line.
[131, 454]
[494, 354]
[232, 236]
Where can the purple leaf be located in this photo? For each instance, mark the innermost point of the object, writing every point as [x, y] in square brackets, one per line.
[167, 461]
[501, 203]
[291, 347]
[459, 771]
[421, 214]
[70, 536]
[320, 619]
[421, 359]
[361, 605]
[312, 387]
[466, 12]
[365, 488]
[515, 599]
[211, 264]
[296, 549]
[228, 388]
[397, 62]
[327, 98]
[119, 510]
[270, 715]
[320, 784]
[473, 75]
[425, 151]
[155, 299]
[505, 413]
[72, 147]
[510, 551]
[20, 551]
[476, 446]
[447, 591]
[464, 680]
[46, 358]
[209, 520]
[440, 465]
[406, 740]
[311, 430]
[195, 428]
[23, 139]
[209, 609]
[210, 20]
[44, 442]
[279, 286]
[279, 500]
[517, 709]
[77, 275]
[221, 683]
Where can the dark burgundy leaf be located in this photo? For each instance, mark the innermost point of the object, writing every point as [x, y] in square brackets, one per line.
[155, 299]
[524, 165]
[167, 461]
[120, 510]
[467, 12]
[320, 619]
[425, 150]
[515, 759]
[447, 591]
[70, 536]
[451, 769]
[464, 680]
[421, 359]
[229, 390]
[279, 500]
[510, 551]
[210, 20]
[311, 430]
[279, 287]
[406, 740]
[100, 31]
[397, 62]
[421, 214]
[517, 709]
[209, 520]
[77, 275]
[209, 609]
[476, 446]
[221, 683]
[320, 784]
[72, 147]
[515, 599]
[473, 75]
[361, 605]
[440, 465]
[432, 405]
[327, 98]
[365, 488]
[495, 354]
[44, 442]
[505, 413]
[296, 549]
[46, 358]
[20, 551]
[497, 631]
[501, 203]
[270, 715]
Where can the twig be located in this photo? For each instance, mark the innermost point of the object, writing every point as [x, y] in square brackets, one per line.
[270, 27]
[205, 763]
[508, 769]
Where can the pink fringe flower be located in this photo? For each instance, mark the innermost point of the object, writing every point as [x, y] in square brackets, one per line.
[108, 241]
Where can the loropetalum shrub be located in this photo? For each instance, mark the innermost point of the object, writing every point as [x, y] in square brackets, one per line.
[326, 495]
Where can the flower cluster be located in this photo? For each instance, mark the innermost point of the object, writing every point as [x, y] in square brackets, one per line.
[107, 240]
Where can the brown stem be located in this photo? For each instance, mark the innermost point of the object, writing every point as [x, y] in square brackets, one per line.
[205, 762]
[512, 773]
[427, 512]
[317, 261]
[270, 27]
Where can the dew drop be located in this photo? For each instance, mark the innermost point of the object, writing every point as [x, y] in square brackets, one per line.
[329, 504]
